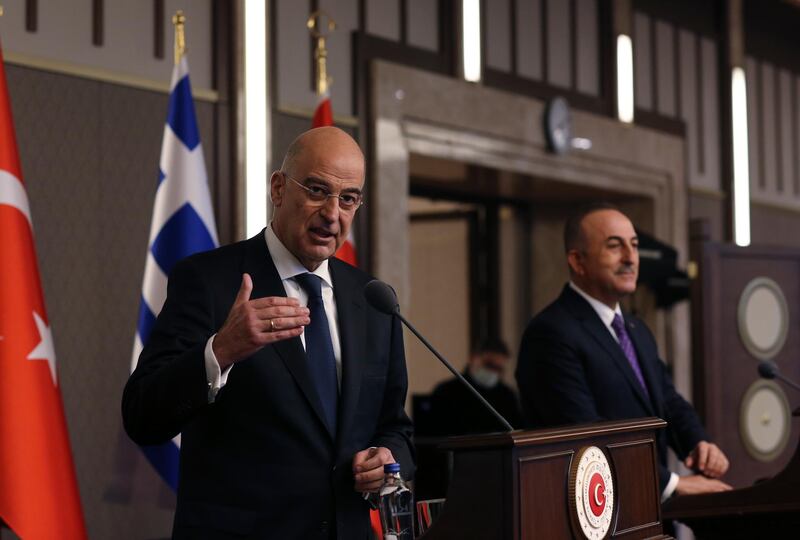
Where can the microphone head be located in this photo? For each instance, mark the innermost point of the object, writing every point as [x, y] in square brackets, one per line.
[382, 297]
[767, 369]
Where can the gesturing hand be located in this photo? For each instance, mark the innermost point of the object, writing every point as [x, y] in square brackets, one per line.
[252, 324]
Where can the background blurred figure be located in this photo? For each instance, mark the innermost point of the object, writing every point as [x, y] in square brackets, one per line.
[455, 411]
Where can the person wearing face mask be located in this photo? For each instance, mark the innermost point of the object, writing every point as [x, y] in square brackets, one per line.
[583, 360]
[455, 411]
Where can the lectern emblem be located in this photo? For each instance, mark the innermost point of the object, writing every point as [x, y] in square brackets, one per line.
[591, 493]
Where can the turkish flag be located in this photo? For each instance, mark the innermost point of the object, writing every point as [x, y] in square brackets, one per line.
[38, 490]
[323, 116]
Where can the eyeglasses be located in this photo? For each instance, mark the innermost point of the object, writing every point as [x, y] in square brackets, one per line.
[319, 194]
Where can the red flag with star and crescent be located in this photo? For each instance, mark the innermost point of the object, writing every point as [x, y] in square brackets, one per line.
[38, 489]
[323, 116]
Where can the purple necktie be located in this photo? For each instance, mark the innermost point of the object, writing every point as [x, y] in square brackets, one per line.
[627, 347]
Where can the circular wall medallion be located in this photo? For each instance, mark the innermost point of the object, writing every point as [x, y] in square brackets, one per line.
[763, 316]
[764, 420]
[591, 492]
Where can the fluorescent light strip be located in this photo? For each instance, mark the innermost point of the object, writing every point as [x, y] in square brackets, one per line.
[624, 78]
[741, 162]
[471, 39]
[255, 117]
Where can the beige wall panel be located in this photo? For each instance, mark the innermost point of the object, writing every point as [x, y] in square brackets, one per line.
[665, 68]
[294, 55]
[529, 38]
[785, 144]
[559, 48]
[642, 66]
[767, 103]
[688, 65]
[711, 138]
[753, 124]
[423, 24]
[340, 55]
[588, 47]
[383, 18]
[64, 36]
[796, 147]
[514, 307]
[439, 300]
[711, 208]
[497, 18]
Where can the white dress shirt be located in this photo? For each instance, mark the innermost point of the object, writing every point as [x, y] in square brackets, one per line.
[606, 315]
[288, 266]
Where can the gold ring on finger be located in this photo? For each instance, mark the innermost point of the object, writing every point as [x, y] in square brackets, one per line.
[272, 325]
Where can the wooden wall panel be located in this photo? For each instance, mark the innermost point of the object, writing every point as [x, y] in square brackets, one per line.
[423, 24]
[588, 52]
[642, 64]
[529, 39]
[64, 37]
[497, 20]
[383, 18]
[665, 69]
[786, 157]
[709, 140]
[753, 125]
[559, 44]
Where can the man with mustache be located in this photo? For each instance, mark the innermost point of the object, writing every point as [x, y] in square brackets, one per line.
[582, 360]
[286, 387]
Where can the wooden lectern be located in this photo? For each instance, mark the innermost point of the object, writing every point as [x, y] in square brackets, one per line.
[521, 485]
[768, 509]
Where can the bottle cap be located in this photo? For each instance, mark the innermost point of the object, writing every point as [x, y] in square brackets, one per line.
[391, 468]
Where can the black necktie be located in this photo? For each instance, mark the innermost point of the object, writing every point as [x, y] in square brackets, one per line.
[319, 349]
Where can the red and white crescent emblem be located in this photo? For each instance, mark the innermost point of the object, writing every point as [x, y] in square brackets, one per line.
[591, 493]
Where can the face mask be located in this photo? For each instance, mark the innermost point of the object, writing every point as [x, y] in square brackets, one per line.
[485, 377]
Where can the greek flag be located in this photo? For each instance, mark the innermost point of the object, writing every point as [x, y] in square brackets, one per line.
[183, 224]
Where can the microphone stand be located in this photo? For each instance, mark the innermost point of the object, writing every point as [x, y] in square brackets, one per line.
[455, 372]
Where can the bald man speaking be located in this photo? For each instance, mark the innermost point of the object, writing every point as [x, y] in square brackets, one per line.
[287, 388]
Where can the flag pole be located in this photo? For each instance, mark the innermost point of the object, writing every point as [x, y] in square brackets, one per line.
[179, 21]
[314, 25]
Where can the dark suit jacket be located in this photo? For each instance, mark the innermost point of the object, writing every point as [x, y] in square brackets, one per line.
[571, 370]
[259, 462]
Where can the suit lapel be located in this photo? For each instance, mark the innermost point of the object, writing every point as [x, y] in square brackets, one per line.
[267, 282]
[351, 316]
[581, 310]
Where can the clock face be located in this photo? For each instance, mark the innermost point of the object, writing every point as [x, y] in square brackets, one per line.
[558, 125]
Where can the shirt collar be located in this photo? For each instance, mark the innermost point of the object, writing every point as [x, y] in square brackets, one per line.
[287, 264]
[605, 313]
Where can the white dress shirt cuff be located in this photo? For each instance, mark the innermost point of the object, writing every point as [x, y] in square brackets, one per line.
[671, 485]
[214, 376]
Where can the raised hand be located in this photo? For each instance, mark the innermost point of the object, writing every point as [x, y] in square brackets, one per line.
[252, 324]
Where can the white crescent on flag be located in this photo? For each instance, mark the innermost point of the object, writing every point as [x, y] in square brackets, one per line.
[12, 193]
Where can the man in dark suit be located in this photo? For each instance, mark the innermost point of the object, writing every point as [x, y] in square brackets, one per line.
[582, 360]
[286, 387]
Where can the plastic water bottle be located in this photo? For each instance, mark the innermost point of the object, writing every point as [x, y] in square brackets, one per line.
[396, 505]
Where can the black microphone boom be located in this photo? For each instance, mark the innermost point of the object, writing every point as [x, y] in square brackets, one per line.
[383, 298]
[769, 370]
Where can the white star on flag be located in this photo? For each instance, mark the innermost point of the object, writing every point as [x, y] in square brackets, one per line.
[44, 350]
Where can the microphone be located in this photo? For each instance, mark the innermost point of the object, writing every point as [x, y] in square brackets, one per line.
[383, 298]
[769, 370]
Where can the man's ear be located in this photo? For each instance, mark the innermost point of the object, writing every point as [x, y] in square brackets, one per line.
[277, 184]
[575, 262]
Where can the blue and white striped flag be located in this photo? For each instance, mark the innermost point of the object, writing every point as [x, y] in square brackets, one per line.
[183, 224]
